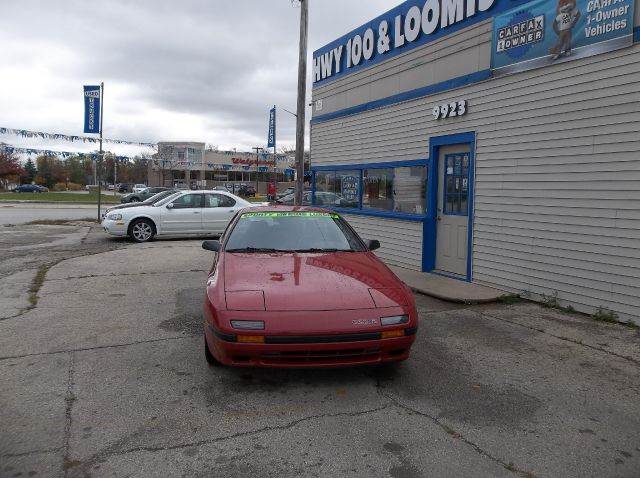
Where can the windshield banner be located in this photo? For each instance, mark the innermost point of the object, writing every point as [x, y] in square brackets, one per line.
[545, 32]
[290, 214]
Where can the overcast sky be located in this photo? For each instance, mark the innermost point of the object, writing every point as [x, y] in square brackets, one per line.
[202, 70]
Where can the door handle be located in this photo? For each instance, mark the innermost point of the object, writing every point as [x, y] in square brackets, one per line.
[196, 212]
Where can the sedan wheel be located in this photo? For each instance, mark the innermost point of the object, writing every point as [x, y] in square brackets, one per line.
[142, 230]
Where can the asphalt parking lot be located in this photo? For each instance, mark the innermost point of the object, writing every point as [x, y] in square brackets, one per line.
[102, 373]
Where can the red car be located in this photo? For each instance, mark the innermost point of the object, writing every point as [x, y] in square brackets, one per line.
[296, 287]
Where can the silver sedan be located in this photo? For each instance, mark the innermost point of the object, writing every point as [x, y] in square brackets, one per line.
[182, 213]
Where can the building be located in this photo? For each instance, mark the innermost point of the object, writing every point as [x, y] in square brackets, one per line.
[494, 141]
[192, 165]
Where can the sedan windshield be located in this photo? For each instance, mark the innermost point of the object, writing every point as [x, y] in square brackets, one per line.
[159, 196]
[292, 232]
[166, 199]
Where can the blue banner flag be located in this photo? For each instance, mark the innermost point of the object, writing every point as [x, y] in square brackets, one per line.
[545, 32]
[92, 109]
[272, 128]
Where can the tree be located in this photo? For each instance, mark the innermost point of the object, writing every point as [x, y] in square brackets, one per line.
[10, 169]
[164, 161]
[30, 172]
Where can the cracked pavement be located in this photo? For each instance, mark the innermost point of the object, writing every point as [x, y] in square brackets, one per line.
[105, 376]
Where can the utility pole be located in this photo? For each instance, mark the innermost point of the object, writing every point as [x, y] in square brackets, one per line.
[101, 152]
[258, 149]
[302, 100]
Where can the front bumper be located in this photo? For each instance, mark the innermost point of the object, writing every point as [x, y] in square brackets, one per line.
[115, 228]
[310, 351]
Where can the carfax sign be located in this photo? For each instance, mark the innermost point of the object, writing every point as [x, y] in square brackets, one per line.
[544, 32]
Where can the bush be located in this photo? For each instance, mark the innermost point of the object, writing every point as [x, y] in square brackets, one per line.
[67, 187]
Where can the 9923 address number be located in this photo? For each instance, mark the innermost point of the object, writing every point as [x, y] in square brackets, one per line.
[450, 110]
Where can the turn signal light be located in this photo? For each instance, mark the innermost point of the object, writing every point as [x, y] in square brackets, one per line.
[392, 334]
[251, 339]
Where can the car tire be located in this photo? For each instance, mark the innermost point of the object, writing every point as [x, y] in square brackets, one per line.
[134, 200]
[142, 230]
[211, 360]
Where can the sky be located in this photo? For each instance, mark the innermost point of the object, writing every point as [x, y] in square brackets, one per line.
[196, 70]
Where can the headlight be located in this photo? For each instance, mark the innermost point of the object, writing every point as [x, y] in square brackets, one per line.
[114, 217]
[248, 324]
[394, 320]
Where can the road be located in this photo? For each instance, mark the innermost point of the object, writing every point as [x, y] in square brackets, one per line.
[104, 375]
[24, 213]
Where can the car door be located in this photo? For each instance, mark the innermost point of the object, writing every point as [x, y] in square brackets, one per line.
[183, 215]
[217, 212]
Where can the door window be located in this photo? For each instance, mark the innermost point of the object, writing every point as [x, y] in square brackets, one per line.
[188, 201]
[218, 200]
[456, 180]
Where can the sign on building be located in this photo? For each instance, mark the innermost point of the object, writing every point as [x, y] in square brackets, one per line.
[545, 32]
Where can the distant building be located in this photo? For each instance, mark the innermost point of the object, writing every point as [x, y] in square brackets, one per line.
[191, 165]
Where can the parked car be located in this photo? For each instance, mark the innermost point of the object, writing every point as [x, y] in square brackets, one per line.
[141, 196]
[279, 265]
[221, 188]
[246, 190]
[138, 188]
[152, 200]
[286, 192]
[31, 188]
[183, 213]
[124, 188]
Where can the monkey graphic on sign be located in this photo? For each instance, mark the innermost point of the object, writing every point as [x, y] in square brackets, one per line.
[567, 17]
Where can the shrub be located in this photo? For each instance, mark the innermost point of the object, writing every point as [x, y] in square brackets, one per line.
[67, 187]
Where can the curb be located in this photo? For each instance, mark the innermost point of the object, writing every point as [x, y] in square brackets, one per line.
[454, 300]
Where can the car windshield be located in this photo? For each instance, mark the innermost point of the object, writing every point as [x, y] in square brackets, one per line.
[294, 231]
[165, 200]
[159, 196]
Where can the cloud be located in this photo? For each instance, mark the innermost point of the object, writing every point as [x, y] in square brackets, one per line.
[206, 70]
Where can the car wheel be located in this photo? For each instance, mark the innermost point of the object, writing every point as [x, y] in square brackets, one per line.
[134, 200]
[211, 360]
[142, 230]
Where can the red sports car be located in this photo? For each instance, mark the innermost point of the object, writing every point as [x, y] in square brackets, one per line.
[297, 287]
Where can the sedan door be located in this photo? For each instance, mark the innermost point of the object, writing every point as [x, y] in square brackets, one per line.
[217, 212]
[183, 215]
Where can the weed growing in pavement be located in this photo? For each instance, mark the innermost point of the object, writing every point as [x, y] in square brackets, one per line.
[551, 301]
[605, 315]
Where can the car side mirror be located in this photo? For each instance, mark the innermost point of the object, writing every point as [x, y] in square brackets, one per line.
[373, 244]
[170, 205]
[213, 246]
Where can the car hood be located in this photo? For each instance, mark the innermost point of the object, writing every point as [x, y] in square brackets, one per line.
[290, 282]
[125, 206]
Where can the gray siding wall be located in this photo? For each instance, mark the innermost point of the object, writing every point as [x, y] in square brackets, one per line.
[557, 199]
[401, 241]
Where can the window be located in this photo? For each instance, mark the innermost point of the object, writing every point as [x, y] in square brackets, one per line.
[402, 189]
[378, 189]
[409, 189]
[338, 188]
[218, 200]
[188, 201]
[456, 179]
[181, 155]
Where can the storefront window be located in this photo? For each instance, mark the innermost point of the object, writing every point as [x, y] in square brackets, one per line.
[401, 190]
[409, 190]
[378, 189]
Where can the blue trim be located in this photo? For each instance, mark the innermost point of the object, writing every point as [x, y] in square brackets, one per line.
[636, 34]
[390, 164]
[375, 213]
[458, 82]
[449, 275]
[430, 225]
